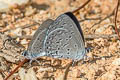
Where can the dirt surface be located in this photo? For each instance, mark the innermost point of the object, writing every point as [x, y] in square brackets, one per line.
[97, 17]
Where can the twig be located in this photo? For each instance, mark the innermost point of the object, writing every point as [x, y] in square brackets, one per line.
[90, 36]
[94, 36]
[101, 20]
[67, 70]
[24, 26]
[22, 37]
[12, 72]
[81, 6]
[28, 25]
[116, 29]
[104, 19]
[82, 20]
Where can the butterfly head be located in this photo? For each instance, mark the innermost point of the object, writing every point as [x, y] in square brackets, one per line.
[26, 55]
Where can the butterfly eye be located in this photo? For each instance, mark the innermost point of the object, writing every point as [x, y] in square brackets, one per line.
[24, 53]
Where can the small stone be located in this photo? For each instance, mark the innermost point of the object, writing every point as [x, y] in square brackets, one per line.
[42, 75]
[17, 32]
[22, 73]
[48, 69]
[76, 73]
[113, 47]
[116, 62]
[30, 11]
[6, 5]
[1, 78]
[19, 2]
[60, 77]
[111, 76]
[24, 41]
[2, 24]
[99, 30]
[3, 6]
[30, 75]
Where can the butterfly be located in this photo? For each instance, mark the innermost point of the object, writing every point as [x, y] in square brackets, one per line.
[59, 38]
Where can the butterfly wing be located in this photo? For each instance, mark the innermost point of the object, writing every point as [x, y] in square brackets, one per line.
[35, 48]
[65, 38]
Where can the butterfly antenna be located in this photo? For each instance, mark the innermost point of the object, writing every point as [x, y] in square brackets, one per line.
[12, 72]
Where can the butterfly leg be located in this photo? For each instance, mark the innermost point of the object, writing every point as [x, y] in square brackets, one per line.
[35, 61]
[88, 49]
[86, 57]
[30, 63]
[74, 62]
